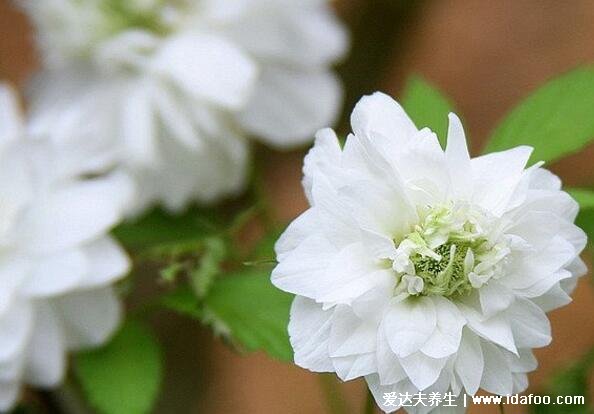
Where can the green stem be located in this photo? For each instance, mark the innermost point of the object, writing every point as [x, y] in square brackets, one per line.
[369, 403]
[334, 400]
[501, 408]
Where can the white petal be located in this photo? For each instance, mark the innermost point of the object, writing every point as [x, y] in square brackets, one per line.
[378, 391]
[90, 317]
[382, 210]
[11, 122]
[13, 270]
[46, 362]
[207, 67]
[309, 332]
[106, 262]
[496, 329]
[299, 229]
[545, 180]
[554, 298]
[536, 267]
[350, 335]
[354, 366]
[389, 369]
[469, 362]
[350, 274]
[12, 368]
[15, 327]
[138, 126]
[494, 298]
[371, 305]
[76, 213]
[520, 382]
[324, 158]
[303, 34]
[458, 160]
[530, 325]
[380, 117]
[497, 377]
[334, 218]
[445, 340]
[56, 274]
[530, 228]
[301, 271]
[526, 362]
[544, 285]
[496, 176]
[176, 119]
[409, 324]
[288, 106]
[422, 165]
[422, 370]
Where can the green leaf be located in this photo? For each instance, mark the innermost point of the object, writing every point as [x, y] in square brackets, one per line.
[184, 301]
[124, 376]
[427, 107]
[159, 228]
[254, 312]
[556, 119]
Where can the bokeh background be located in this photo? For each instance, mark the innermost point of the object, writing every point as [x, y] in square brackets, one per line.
[485, 55]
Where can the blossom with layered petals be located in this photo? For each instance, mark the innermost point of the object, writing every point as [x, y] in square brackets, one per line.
[421, 269]
[57, 263]
[173, 88]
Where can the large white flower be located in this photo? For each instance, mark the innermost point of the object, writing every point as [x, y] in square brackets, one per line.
[174, 87]
[422, 269]
[57, 262]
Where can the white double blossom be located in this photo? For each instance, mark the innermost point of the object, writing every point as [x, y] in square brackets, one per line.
[170, 89]
[57, 263]
[422, 269]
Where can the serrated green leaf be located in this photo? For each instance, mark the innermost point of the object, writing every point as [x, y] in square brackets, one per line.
[427, 107]
[159, 228]
[254, 312]
[124, 376]
[556, 119]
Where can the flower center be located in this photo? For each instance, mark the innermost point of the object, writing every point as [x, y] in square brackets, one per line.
[452, 251]
[446, 276]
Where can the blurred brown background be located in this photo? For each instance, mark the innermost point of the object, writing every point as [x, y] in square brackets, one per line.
[486, 55]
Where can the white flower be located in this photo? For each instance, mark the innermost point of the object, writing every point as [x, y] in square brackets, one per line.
[424, 269]
[175, 87]
[57, 262]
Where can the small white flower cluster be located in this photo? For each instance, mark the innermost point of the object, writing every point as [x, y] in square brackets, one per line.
[424, 270]
[171, 90]
[57, 261]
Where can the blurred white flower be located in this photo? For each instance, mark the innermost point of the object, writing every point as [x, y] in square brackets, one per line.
[57, 262]
[424, 269]
[175, 87]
